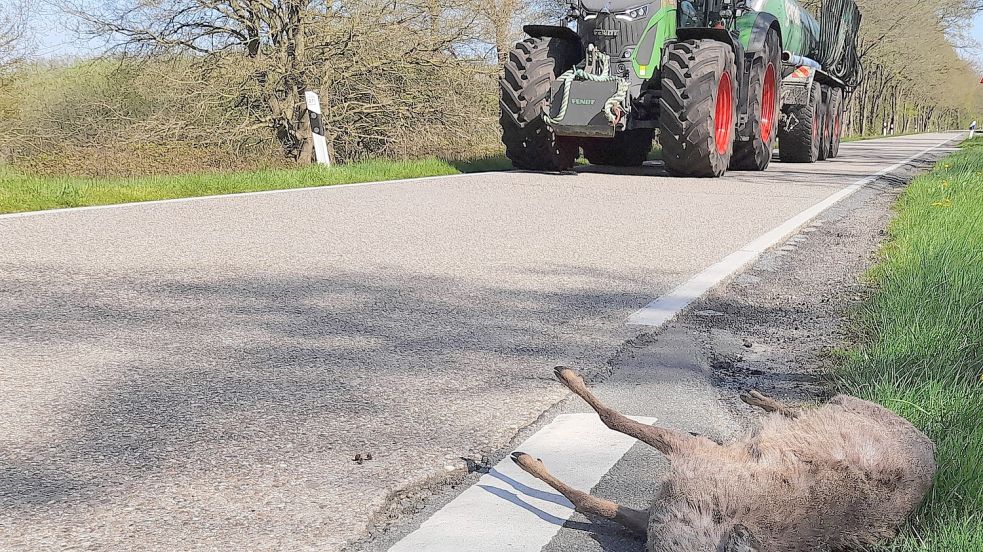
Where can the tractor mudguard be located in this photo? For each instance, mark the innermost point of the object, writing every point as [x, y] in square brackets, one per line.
[753, 35]
[720, 35]
[555, 31]
[697, 33]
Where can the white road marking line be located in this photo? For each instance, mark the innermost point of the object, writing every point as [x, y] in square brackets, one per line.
[665, 308]
[508, 509]
[235, 195]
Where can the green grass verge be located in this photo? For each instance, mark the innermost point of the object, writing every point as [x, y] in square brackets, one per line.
[24, 192]
[20, 192]
[920, 348]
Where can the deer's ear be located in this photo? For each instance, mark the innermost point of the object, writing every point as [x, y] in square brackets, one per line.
[740, 539]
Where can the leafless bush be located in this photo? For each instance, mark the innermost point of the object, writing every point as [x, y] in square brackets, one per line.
[397, 79]
[381, 66]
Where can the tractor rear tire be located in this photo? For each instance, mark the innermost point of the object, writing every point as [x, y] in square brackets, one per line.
[697, 109]
[525, 87]
[764, 104]
[799, 134]
[837, 110]
[630, 148]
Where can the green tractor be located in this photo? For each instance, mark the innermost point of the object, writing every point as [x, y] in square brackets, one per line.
[720, 80]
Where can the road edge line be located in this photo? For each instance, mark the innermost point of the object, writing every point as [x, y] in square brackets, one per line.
[25, 214]
[664, 308]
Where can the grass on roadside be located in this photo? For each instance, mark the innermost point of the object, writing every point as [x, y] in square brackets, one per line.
[24, 192]
[20, 192]
[921, 343]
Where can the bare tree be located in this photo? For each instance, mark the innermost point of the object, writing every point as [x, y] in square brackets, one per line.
[914, 78]
[503, 20]
[13, 31]
[283, 46]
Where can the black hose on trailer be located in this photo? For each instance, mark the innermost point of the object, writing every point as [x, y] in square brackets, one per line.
[839, 26]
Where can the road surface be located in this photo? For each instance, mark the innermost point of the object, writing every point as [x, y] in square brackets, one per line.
[202, 373]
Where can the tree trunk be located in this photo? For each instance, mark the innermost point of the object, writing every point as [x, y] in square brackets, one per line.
[502, 45]
[288, 107]
[292, 125]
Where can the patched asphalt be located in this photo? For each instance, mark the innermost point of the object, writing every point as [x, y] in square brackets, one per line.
[202, 373]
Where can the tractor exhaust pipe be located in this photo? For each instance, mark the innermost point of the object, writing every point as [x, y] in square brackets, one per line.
[797, 60]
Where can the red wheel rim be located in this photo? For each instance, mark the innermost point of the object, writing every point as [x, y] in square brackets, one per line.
[768, 103]
[839, 121]
[723, 118]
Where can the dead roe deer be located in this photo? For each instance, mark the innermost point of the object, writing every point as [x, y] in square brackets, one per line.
[834, 477]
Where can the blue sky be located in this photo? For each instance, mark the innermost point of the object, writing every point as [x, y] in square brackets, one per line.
[977, 34]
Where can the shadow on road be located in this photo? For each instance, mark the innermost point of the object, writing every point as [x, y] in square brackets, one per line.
[217, 379]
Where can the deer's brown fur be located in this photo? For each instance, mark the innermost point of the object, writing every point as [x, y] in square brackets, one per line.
[834, 477]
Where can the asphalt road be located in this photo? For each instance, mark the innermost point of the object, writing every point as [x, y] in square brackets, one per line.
[201, 373]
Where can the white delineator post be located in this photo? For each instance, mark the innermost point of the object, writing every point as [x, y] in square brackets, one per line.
[317, 128]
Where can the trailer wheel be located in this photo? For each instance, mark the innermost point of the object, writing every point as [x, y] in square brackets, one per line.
[799, 135]
[697, 108]
[627, 149]
[525, 87]
[764, 102]
[837, 126]
[826, 142]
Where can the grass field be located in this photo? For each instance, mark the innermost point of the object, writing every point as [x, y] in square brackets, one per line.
[920, 350]
[23, 192]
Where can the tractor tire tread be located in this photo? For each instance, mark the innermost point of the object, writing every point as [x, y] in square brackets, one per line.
[755, 154]
[525, 85]
[687, 106]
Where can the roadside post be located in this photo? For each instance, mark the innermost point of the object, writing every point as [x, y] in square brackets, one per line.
[317, 128]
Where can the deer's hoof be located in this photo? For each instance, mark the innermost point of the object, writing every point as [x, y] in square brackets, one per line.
[565, 375]
[524, 461]
[571, 379]
[530, 465]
